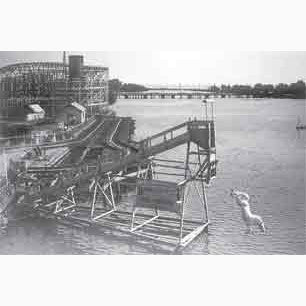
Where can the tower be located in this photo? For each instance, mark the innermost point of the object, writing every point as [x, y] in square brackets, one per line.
[64, 58]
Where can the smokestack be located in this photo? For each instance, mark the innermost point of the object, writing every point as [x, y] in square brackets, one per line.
[64, 58]
[75, 66]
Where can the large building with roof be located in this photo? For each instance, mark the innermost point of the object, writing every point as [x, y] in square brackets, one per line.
[53, 85]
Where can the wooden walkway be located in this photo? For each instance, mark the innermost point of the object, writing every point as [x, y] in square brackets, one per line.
[63, 196]
[199, 132]
[164, 230]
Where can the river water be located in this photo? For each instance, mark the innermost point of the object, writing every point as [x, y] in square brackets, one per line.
[259, 151]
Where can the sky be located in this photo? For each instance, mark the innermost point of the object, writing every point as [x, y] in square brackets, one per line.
[185, 67]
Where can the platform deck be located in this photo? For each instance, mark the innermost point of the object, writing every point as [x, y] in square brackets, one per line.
[164, 230]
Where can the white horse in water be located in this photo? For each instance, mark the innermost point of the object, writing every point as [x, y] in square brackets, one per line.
[250, 219]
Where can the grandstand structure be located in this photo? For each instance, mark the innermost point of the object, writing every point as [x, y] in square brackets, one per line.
[53, 85]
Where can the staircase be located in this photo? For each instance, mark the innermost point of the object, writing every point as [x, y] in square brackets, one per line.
[201, 133]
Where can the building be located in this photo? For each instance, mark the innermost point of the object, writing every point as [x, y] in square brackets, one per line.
[53, 85]
[72, 114]
[34, 112]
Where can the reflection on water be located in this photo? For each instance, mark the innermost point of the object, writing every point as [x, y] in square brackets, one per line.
[259, 151]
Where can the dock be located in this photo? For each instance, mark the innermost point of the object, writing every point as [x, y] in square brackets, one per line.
[137, 193]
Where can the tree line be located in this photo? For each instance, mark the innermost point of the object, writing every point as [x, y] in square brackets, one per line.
[115, 86]
[290, 91]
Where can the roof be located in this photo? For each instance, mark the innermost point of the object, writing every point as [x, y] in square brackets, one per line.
[78, 106]
[35, 108]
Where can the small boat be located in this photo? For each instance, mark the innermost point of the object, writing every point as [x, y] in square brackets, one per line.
[299, 125]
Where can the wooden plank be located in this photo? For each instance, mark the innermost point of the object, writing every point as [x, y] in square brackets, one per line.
[194, 234]
[160, 237]
[173, 161]
[124, 226]
[157, 239]
[169, 166]
[103, 215]
[166, 227]
[144, 223]
[118, 216]
[171, 174]
[113, 223]
[161, 218]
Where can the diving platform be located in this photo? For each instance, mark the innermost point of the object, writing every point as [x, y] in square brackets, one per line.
[141, 194]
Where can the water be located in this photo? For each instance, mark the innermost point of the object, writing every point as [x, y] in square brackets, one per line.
[259, 151]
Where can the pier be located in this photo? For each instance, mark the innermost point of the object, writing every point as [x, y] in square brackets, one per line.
[138, 193]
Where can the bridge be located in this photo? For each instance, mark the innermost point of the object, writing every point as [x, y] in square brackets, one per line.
[171, 94]
[165, 94]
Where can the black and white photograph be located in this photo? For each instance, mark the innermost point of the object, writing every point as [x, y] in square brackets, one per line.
[152, 152]
[120, 153]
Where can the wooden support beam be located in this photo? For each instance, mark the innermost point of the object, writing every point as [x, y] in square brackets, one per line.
[169, 166]
[103, 215]
[173, 161]
[156, 238]
[171, 174]
[144, 223]
[193, 235]
[171, 227]
[160, 219]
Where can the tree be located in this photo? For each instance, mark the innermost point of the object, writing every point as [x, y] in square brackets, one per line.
[131, 87]
[214, 89]
[114, 87]
[298, 89]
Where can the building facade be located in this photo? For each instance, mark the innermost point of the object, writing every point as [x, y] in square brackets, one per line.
[53, 85]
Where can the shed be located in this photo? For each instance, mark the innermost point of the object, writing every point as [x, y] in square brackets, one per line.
[72, 114]
[34, 112]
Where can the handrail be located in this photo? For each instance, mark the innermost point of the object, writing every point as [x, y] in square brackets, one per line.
[145, 146]
[188, 124]
[164, 132]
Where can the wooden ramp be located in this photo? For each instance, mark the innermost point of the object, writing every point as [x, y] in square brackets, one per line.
[202, 133]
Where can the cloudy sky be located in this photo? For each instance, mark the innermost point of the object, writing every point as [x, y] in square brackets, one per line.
[186, 67]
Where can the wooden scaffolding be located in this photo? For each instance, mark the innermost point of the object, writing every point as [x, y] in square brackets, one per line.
[158, 199]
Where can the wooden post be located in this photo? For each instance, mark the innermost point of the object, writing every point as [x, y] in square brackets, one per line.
[185, 197]
[94, 201]
[202, 183]
[205, 201]
[111, 190]
[187, 159]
